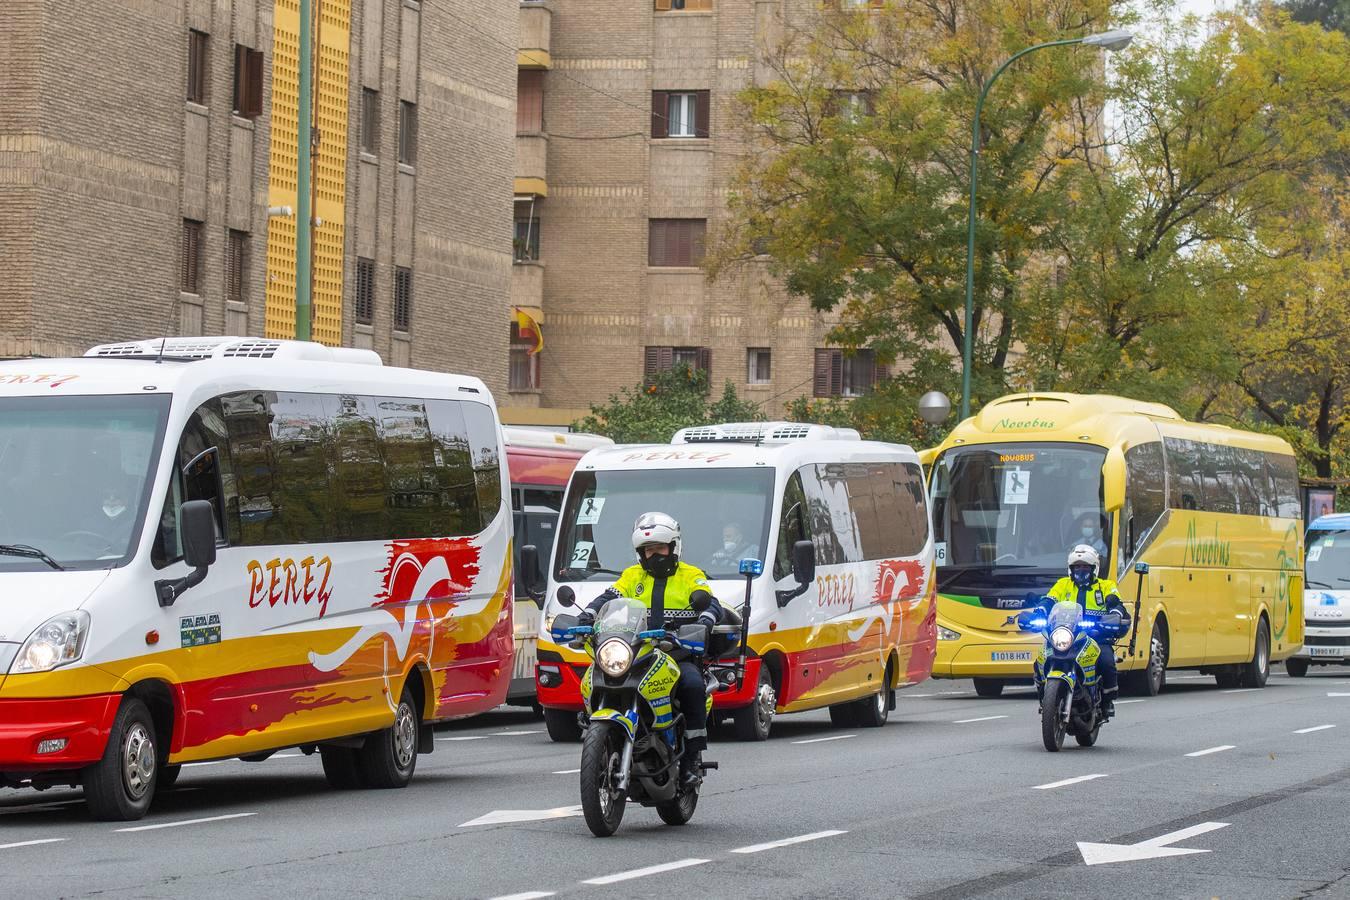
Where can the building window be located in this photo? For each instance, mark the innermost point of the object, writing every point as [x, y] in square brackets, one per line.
[403, 288]
[526, 243]
[236, 266]
[661, 359]
[529, 101]
[852, 106]
[675, 242]
[840, 374]
[365, 291]
[666, 5]
[196, 73]
[370, 121]
[680, 114]
[524, 375]
[757, 365]
[407, 133]
[192, 256]
[248, 82]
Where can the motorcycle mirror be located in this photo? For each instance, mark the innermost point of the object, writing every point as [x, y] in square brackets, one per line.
[567, 596]
[700, 601]
[1141, 568]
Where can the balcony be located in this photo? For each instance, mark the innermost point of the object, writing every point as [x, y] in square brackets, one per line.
[527, 287]
[531, 165]
[536, 28]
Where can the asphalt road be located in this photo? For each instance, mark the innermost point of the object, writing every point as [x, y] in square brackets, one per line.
[954, 798]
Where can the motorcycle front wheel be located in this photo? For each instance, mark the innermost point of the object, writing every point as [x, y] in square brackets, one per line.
[1052, 725]
[601, 802]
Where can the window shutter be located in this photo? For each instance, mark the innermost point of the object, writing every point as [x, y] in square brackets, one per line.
[681, 247]
[656, 242]
[658, 359]
[702, 113]
[240, 76]
[821, 387]
[705, 360]
[836, 373]
[660, 125]
[255, 84]
[881, 373]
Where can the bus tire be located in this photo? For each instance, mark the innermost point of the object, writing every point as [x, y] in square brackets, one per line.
[873, 711]
[1255, 673]
[120, 786]
[1228, 677]
[388, 758]
[989, 688]
[339, 767]
[842, 715]
[562, 726]
[1296, 668]
[168, 777]
[1150, 681]
[754, 722]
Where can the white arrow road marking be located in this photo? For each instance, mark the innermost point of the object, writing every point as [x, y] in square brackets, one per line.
[528, 895]
[1314, 728]
[837, 737]
[1066, 782]
[186, 822]
[1096, 854]
[508, 816]
[1207, 752]
[650, 870]
[788, 842]
[31, 843]
[980, 719]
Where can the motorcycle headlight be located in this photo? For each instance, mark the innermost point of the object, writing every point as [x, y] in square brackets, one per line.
[615, 657]
[1061, 638]
[57, 641]
[946, 634]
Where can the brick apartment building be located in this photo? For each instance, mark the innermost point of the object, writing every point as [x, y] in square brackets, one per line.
[627, 138]
[142, 143]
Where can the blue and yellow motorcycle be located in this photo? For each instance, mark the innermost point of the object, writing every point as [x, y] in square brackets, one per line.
[634, 738]
[1065, 671]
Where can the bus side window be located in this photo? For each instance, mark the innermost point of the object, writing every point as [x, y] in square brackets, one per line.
[486, 454]
[1145, 494]
[792, 525]
[201, 472]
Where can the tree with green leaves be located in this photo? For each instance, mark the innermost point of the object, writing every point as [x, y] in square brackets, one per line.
[652, 411]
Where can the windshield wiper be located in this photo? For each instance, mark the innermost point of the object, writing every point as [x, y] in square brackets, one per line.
[590, 572]
[1319, 583]
[34, 553]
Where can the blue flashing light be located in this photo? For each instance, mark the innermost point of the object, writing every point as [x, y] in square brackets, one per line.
[652, 635]
[752, 567]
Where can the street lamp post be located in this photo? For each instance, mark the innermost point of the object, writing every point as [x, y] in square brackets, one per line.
[1109, 40]
[303, 220]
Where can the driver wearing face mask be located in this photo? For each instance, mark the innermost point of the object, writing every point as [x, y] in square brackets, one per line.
[1090, 533]
[734, 548]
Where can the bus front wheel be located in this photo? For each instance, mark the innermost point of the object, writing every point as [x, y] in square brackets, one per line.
[1296, 668]
[562, 726]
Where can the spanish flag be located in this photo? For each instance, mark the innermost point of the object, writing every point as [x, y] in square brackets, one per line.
[529, 330]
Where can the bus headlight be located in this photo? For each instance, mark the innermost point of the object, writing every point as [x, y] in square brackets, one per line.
[946, 634]
[57, 641]
[615, 657]
[1061, 639]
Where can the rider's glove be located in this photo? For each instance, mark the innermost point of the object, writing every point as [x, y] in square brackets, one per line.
[586, 618]
[707, 618]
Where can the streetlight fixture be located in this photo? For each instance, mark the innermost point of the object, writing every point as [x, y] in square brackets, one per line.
[934, 407]
[1117, 39]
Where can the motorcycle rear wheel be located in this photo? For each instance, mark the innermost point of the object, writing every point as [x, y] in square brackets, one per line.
[1088, 738]
[1052, 726]
[601, 804]
[680, 810]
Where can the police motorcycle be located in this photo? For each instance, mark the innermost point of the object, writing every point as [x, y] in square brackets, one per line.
[634, 738]
[1065, 671]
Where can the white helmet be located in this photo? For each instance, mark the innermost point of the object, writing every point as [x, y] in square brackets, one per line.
[1084, 554]
[656, 528]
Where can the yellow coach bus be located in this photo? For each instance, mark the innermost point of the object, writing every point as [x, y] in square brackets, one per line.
[1212, 510]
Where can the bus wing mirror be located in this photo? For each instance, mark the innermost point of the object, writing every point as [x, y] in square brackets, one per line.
[1113, 479]
[199, 533]
[804, 562]
[529, 573]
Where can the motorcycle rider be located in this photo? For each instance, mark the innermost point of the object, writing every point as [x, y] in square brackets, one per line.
[1097, 596]
[667, 585]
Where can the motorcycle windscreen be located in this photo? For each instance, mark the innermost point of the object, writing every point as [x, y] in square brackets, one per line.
[1066, 613]
[621, 615]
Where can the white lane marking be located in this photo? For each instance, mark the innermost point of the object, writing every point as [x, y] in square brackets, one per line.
[1138, 700]
[214, 762]
[1218, 749]
[287, 755]
[1096, 854]
[952, 693]
[1336, 694]
[1241, 690]
[186, 822]
[513, 733]
[528, 895]
[836, 737]
[980, 719]
[787, 842]
[40, 806]
[1066, 782]
[1314, 728]
[31, 843]
[913, 696]
[568, 772]
[472, 737]
[650, 870]
[509, 816]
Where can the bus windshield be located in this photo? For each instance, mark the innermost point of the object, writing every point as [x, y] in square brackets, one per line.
[75, 475]
[1327, 565]
[1016, 509]
[723, 516]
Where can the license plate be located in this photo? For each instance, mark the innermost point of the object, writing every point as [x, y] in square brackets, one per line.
[1011, 655]
[1326, 651]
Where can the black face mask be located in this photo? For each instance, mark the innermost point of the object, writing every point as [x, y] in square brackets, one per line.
[659, 566]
